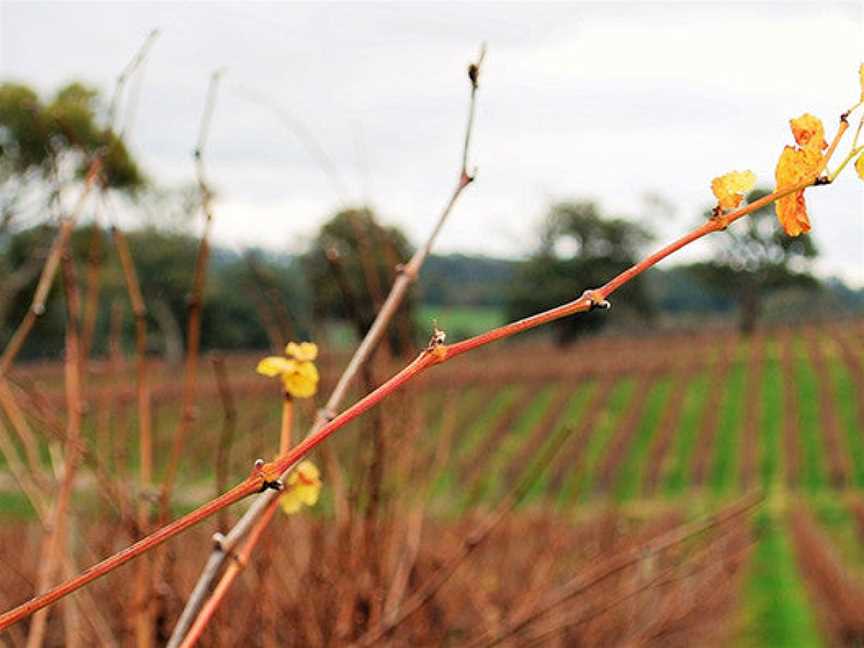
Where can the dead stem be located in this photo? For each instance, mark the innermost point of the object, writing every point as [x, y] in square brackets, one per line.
[433, 355]
[196, 298]
[361, 356]
[54, 540]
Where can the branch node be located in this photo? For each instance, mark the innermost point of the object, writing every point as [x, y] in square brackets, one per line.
[719, 217]
[275, 484]
[821, 180]
[436, 345]
[326, 414]
[219, 542]
[473, 74]
[596, 300]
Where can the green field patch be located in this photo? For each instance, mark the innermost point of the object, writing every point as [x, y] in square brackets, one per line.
[573, 411]
[578, 484]
[633, 469]
[16, 506]
[688, 431]
[466, 440]
[727, 444]
[809, 424]
[839, 524]
[532, 412]
[771, 422]
[775, 606]
[845, 400]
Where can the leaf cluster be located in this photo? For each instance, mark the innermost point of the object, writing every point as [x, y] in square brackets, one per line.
[34, 134]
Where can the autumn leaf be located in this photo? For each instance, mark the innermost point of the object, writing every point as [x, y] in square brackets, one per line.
[797, 165]
[731, 187]
[859, 166]
[298, 372]
[302, 488]
[808, 132]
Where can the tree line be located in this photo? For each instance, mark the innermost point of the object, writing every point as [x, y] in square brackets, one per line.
[257, 299]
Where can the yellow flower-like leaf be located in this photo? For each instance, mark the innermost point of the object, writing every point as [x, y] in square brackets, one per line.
[304, 352]
[272, 366]
[302, 488]
[731, 187]
[297, 371]
[808, 132]
[795, 166]
[859, 166]
[303, 381]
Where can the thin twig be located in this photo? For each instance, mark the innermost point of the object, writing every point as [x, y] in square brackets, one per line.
[530, 474]
[49, 272]
[608, 567]
[127, 72]
[226, 437]
[436, 353]
[361, 356]
[196, 298]
[55, 535]
[143, 588]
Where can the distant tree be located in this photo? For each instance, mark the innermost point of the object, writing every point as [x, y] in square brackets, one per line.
[40, 140]
[233, 317]
[44, 146]
[754, 259]
[579, 248]
[350, 267]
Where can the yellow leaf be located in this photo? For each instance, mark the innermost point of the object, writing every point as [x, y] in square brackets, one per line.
[859, 166]
[302, 488]
[302, 382]
[731, 187]
[795, 166]
[305, 351]
[275, 365]
[808, 132]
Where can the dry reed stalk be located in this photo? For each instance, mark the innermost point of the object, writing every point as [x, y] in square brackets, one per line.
[242, 558]
[49, 271]
[436, 353]
[663, 612]
[196, 302]
[42, 411]
[143, 581]
[95, 259]
[612, 565]
[89, 610]
[226, 437]
[34, 496]
[22, 429]
[55, 535]
[238, 563]
[407, 275]
[470, 543]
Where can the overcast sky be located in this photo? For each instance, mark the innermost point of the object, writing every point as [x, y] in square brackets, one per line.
[609, 102]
